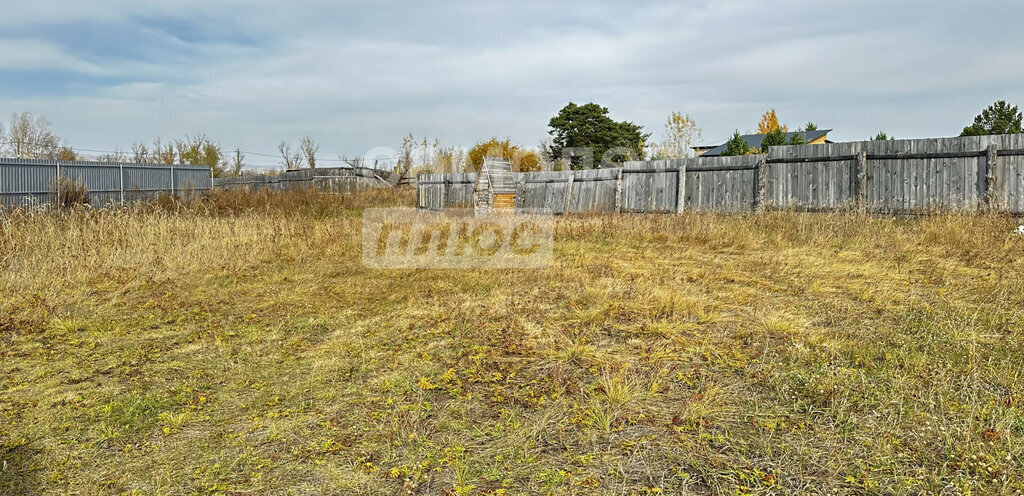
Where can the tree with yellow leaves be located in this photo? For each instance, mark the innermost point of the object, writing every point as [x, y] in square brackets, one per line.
[681, 133]
[523, 160]
[769, 122]
[66, 154]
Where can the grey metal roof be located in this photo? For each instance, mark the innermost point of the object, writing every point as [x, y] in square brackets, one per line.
[499, 174]
[755, 140]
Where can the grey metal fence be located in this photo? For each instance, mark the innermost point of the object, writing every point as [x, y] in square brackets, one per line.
[29, 182]
[969, 173]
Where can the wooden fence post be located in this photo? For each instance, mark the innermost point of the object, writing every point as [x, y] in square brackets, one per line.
[618, 192]
[445, 185]
[989, 198]
[862, 180]
[760, 184]
[681, 188]
[568, 192]
[652, 202]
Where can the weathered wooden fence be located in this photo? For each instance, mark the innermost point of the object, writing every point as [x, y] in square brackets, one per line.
[31, 182]
[440, 191]
[336, 179]
[970, 173]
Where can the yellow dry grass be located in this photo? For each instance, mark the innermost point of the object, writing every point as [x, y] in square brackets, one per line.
[237, 345]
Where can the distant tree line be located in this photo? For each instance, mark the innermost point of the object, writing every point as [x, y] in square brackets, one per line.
[581, 136]
[30, 137]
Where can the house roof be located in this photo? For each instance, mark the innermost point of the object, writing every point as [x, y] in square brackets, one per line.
[755, 141]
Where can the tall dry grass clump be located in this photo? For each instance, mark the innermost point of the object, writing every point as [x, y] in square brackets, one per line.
[228, 230]
[68, 193]
[304, 202]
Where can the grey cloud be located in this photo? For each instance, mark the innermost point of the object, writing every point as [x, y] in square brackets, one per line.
[363, 74]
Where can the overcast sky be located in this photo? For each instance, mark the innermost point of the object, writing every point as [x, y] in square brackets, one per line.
[362, 74]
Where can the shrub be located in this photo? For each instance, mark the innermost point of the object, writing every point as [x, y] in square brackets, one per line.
[68, 193]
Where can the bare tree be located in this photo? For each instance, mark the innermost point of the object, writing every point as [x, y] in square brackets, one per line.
[308, 146]
[404, 165]
[116, 156]
[140, 153]
[352, 161]
[31, 137]
[3, 140]
[448, 158]
[181, 146]
[290, 159]
[161, 154]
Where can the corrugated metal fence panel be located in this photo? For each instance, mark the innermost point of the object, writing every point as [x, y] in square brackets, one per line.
[25, 182]
[593, 190]
[192, 179]
[141, 182]
[103, 183]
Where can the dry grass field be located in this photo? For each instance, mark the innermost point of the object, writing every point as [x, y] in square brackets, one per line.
[238, 346]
